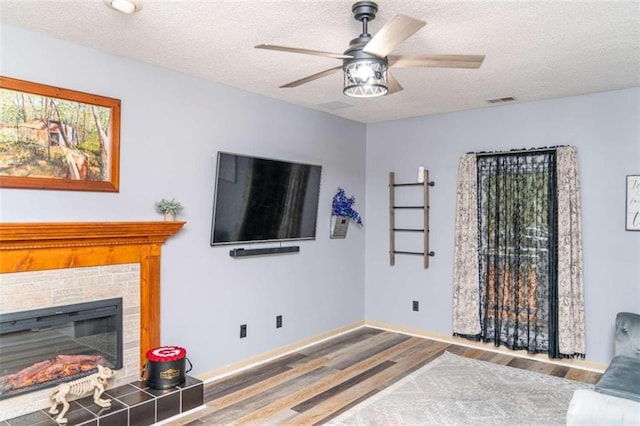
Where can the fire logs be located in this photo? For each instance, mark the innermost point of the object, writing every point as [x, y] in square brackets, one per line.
[56, 369]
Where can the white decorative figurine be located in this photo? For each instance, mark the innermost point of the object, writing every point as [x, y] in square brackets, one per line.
[95, 382]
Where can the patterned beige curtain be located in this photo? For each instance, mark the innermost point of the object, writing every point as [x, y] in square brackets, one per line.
[570, 286]
[466, 296]
[571, 335]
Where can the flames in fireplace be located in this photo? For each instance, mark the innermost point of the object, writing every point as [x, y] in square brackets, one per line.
[53, 370]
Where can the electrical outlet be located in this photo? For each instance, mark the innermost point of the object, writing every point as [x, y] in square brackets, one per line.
[279, 321]
[416, 305]
[243, 330]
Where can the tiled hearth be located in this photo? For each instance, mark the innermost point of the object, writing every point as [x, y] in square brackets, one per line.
[133, 404]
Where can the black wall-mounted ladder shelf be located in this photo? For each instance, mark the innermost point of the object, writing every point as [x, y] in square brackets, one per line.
[425, 184]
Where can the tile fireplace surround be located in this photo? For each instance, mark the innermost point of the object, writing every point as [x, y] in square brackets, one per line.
[71, 248]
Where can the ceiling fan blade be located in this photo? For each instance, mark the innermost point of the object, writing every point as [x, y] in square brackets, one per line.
[436, 61]
[304, 51]
[392, 84]
[312, 77]
[395, 31]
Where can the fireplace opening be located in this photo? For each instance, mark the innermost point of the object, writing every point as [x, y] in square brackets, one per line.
[44, 347]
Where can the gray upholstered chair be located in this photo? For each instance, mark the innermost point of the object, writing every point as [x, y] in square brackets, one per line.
[616, 399]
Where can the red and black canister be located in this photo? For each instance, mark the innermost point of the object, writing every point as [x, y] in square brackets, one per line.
[165, 367]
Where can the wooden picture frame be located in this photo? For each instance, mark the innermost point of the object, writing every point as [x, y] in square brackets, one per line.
[61, 139]
[633, 203]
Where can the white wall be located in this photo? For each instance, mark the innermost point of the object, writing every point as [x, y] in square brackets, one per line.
[605, 129]
[172, 127]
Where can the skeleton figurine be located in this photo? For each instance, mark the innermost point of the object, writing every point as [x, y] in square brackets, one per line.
[95, 382]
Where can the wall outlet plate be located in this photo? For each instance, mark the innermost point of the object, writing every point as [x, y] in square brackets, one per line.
[243, 330]
[416, 305]
[279, 321]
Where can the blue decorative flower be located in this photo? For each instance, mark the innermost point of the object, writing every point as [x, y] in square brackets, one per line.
[342, 206]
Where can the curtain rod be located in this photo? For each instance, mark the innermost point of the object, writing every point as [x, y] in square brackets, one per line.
[517, 151]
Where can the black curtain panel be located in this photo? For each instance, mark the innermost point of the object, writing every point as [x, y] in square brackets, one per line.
[517, 248]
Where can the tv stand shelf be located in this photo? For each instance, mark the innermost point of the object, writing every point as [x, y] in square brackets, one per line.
[425, 184]
[241, 252]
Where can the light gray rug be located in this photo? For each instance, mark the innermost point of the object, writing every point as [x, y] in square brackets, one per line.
[456, 390]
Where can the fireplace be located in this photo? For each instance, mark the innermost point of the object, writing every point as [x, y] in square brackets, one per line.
[52, 264]
[40, 348]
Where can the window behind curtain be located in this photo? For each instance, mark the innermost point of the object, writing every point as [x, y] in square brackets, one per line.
[517, 207]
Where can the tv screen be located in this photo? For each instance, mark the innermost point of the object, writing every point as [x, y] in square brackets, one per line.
[259, 200]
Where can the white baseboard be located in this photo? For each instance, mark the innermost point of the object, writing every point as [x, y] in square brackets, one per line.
[241, 365]
[245, 364]
[582, 364]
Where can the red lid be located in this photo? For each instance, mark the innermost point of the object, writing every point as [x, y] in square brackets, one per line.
[166, 353]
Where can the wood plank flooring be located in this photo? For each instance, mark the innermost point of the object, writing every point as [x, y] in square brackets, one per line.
[317, 383]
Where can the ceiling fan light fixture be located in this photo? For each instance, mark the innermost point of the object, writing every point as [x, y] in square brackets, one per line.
[365, 78]
[366, 60]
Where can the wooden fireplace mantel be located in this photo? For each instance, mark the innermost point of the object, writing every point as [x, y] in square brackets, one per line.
[43, 246]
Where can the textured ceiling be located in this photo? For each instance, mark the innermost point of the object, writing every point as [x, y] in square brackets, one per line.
[534, 49]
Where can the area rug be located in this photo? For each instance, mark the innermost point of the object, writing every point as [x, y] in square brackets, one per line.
[454, 390]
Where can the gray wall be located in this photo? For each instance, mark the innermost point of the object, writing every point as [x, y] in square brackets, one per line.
[605, 129]
[172, 127]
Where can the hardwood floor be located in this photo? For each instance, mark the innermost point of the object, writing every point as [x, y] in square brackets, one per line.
[317, 383]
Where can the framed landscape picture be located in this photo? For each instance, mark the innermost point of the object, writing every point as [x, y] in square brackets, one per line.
[53, 138]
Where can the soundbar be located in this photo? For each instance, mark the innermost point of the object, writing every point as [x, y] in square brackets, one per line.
[240, 252]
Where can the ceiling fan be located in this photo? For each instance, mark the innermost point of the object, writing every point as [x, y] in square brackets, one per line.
[367, 60]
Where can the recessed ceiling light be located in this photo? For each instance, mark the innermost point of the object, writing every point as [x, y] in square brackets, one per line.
[124, 6]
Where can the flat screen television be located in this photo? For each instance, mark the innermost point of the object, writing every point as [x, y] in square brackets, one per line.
[260, 200]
